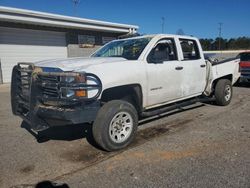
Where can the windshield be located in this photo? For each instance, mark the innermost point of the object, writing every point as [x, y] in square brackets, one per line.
[129, 49]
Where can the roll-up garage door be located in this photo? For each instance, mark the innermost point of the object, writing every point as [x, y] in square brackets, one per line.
[25, 45]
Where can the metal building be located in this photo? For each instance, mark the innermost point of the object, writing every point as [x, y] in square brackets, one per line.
[33, 36]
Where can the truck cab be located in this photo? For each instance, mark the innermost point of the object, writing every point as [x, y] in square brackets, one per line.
[169, 66]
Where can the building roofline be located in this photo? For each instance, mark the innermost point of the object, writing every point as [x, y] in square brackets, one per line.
[56, 20]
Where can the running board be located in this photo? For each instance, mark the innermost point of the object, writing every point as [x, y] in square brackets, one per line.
[175, 106]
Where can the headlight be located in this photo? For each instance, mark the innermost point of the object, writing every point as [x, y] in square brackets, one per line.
[68, 79]
[77, 79]
[73, 93]
[67, 93]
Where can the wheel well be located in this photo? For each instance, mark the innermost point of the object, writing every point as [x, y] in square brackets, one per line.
[130, 93]
[228, 77]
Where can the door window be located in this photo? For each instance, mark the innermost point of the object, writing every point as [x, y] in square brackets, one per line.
[190, 49]
[165, 50]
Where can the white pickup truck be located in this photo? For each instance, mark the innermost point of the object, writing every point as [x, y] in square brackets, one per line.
[123, 81]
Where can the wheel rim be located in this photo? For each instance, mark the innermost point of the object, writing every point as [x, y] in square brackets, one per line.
[228, 92]
[120, 127]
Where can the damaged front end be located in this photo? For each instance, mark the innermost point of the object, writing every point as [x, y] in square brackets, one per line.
[46, 97]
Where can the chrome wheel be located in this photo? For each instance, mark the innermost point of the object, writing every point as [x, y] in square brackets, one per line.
[228, 92]
[120, 127]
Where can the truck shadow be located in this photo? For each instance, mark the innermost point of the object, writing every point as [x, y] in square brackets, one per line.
[66, 133]
[81, 131]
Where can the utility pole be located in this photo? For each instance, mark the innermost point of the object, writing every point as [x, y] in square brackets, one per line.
[163, 25]
[75, 4]
[220, 32]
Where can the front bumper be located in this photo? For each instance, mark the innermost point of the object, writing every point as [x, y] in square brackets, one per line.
[35, 97]
[245, 73]
[44, 116]
[245, 77]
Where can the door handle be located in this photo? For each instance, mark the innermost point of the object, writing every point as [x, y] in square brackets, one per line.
[202, 66]
[178, 68]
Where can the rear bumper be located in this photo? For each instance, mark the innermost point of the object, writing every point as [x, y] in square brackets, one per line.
[31, 100]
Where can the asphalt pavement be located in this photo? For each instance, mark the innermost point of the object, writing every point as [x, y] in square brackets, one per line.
[203, 145]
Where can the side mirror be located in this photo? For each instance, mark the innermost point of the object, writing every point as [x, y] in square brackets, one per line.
[153, 59]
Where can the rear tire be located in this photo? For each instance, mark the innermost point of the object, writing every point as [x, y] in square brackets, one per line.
[223, 92]
[115, 125]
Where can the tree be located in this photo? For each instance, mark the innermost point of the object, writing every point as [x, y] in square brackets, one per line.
[240, 43]
[206, 44]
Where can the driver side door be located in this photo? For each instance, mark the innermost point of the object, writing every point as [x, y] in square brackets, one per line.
[164, 73]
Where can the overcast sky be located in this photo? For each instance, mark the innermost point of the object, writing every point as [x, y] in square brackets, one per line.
[195, 17]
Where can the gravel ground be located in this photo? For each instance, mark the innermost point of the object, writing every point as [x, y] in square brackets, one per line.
[200, 146]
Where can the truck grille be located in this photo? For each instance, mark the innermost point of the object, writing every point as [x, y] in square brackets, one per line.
[49, 86]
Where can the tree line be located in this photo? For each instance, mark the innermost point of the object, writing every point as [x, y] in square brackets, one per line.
[241, 43]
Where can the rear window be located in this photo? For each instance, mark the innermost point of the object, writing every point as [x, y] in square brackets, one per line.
[245, 57]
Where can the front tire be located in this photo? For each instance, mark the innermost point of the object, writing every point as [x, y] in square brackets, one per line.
[13, 88]
[223, 92]
[115, 125]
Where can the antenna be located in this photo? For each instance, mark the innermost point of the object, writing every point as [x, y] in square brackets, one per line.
[220, 32]
[75, 4]
[163, 25]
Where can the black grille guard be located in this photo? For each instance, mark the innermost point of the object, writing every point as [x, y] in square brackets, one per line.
[28, 94]
[36, 76]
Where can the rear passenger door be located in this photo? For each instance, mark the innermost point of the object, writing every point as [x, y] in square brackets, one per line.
[194, 68]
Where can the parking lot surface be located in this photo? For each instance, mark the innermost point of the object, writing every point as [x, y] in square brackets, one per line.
[203, 145]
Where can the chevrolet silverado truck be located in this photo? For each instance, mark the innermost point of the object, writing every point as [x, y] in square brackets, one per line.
[121, 83]
[244, 66]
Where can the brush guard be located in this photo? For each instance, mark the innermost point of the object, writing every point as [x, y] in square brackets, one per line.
[36, 97]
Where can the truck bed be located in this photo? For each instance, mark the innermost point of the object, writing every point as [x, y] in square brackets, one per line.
[219, 69]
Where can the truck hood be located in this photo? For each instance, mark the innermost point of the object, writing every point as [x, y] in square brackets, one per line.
[78, 64]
